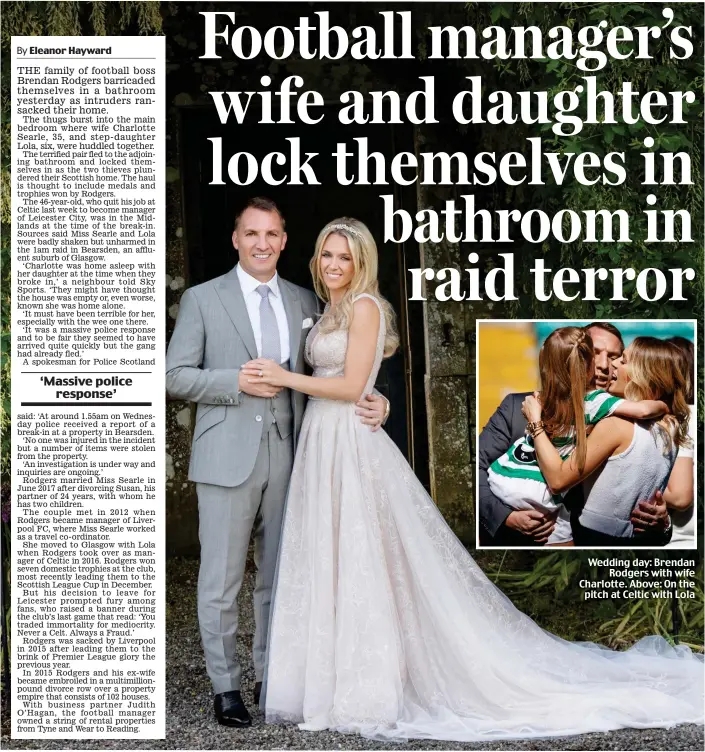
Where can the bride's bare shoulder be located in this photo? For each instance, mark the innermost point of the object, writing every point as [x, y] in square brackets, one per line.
[365, 311]
[364, 303]
[366, 296]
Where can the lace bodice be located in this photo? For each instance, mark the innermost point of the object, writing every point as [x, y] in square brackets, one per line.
[325, 352]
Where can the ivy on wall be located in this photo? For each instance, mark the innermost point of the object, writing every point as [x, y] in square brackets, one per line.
[657, 74]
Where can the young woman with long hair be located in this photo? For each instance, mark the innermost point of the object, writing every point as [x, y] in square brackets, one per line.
[354, 275]
[680, 492]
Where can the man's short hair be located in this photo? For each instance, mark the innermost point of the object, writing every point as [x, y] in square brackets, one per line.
[607, 327]
[263, 204]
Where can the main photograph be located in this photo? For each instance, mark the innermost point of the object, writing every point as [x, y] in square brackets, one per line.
[321, 436]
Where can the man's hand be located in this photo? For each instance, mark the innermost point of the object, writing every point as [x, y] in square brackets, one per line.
[651, 515]
[532, 523]
[372, 408]
[255, 390]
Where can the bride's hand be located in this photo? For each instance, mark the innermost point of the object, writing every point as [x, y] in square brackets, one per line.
[531, 408]
[263, 371]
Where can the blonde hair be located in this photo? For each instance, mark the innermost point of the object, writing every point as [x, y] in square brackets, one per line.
[566, 363]
[363, 250]
[658, 370]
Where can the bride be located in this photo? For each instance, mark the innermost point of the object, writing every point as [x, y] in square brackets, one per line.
[382, 623]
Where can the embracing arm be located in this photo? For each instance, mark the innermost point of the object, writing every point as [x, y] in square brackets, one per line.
[359, 359]
[679, 493]
[643, 410]
[560, 475]
[374, 410]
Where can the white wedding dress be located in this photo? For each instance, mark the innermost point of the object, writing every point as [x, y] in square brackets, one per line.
[384, 625]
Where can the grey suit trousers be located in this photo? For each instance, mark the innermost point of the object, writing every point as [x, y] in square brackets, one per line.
[227, 517]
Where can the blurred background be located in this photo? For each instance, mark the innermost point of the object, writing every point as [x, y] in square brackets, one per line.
[508, 353]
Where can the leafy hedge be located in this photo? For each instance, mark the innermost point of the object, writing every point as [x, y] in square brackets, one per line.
[658, 74]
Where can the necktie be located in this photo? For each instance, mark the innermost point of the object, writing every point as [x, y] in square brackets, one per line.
[271, 347]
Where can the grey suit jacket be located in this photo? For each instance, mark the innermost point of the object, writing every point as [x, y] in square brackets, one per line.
[212, 339]
[505, 426]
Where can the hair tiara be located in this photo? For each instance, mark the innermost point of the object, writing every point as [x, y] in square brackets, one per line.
[337, 226]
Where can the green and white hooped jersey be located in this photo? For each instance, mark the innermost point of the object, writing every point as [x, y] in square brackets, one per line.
[508, 475]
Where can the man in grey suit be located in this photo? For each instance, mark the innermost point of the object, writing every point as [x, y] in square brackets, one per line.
[244, 436]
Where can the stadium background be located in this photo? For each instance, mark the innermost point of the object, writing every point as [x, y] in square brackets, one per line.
[508, 353]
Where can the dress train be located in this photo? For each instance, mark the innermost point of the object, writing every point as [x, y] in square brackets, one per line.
[384, 625]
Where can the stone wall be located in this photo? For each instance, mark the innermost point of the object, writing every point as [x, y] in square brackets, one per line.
[449, 359]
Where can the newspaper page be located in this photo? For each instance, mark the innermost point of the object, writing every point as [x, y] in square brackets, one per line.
[356, 366]
[88, 397]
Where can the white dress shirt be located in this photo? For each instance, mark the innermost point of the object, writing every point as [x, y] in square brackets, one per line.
[249, 287]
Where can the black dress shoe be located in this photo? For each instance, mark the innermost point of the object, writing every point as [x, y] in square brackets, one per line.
[230, 710]
[257, 692]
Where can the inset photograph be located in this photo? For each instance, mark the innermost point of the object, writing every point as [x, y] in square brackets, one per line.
[586, 434]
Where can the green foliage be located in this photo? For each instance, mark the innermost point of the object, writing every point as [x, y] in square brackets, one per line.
[616, 623]
[73, 18]
[657, 74]
[654, 616]
[557, 573]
